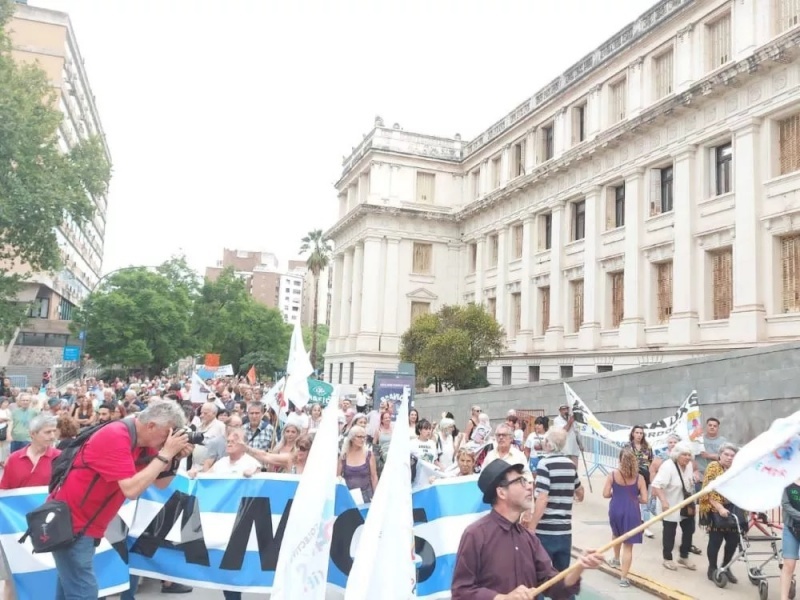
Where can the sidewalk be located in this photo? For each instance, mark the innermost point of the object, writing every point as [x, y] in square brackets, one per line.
[590, 529]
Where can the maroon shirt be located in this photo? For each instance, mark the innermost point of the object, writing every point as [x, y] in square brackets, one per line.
[20, 472]
[496, 556]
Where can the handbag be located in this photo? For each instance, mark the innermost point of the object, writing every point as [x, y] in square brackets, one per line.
[688, 510]
[49, 527]
[734, 520]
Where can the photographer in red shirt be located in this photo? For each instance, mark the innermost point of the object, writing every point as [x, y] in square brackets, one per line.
[106, 472]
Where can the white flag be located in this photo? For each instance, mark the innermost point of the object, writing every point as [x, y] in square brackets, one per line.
[199, 391]
[384, 565]
[302, 569]
[298, 370]
[763, 468]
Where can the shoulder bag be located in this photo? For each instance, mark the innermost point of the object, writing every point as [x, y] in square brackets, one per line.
[689, 510]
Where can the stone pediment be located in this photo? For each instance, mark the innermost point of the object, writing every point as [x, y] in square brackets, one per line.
[422, 294]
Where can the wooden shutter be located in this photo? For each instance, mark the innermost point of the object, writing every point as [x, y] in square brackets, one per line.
[655, 192]
[722, 283]
[577, 305]
[790, 273]
[516, 303]
[664, 291]
[617, 298]
[422, 258]
[418, 309]
[491, 307]
[426, 184]
[789, 144]
[518, 233]
[545, 294]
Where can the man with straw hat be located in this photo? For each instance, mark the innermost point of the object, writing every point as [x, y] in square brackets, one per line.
[499, 558]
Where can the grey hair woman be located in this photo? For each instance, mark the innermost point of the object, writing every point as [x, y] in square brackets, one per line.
[674, 482]
[357, 463]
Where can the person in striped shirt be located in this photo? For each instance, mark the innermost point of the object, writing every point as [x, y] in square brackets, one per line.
[557, 486]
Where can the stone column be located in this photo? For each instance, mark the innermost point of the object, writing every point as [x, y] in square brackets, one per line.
[336, 300]
[562, 133]
[505, 165]
[745, 25]
[346, 291]
[594, 112]
[589, 334]
[747, 321]
[635, 101]
[683, 324]
[486, 178]
[631, 330]
[355, 291]
[554, 336]
[378, 182]
[530, 150]
[525, 334]
[502, 276]
[392, 266]
[480, 245]
[684, 59]
[371, 306]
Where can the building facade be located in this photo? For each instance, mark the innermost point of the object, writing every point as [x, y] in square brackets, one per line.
[643, 207]
[46, 37]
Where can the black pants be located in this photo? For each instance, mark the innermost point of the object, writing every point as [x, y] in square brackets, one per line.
[668, 540]
[715, 540]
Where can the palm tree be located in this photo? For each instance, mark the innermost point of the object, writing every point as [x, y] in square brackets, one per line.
[319, 257]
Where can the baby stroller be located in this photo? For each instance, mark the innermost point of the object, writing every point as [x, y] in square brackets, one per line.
[757, 530]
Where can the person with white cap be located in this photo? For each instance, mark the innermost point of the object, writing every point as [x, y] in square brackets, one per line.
[499, 558]
[566, 421]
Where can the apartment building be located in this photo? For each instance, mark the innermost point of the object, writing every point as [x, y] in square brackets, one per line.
[642, 207]
[46, 37]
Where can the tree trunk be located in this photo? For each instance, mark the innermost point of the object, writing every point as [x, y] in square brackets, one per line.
[314, 323]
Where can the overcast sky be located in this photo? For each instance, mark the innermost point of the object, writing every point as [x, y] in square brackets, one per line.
[227, 120]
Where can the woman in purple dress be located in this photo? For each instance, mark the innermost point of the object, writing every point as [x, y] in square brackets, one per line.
[627, 490]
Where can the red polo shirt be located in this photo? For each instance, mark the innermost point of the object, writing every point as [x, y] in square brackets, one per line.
[20, 471]
[107, 454]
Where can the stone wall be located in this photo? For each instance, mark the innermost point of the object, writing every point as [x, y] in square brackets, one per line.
[746, 390]
[43, 356]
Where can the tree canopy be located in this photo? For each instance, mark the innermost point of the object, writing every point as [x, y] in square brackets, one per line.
[40, 186]
[448, 345]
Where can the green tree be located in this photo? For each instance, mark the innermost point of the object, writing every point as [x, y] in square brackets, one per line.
[322, 341]
[40, 186]
[319, 257]
[137, 318]
[447, 346]
[242, 331]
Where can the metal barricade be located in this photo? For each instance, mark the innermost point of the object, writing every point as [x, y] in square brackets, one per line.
[19, 381]
[601, 455]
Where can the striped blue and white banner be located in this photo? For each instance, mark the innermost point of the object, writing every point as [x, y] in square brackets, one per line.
[210, 533]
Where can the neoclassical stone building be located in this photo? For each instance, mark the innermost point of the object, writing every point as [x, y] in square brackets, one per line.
[643, 207]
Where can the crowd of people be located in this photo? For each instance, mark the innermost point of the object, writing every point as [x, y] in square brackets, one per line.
[528, 471]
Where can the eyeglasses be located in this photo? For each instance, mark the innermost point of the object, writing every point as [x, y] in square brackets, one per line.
[524, 481]
[503, 435]
[303, 448]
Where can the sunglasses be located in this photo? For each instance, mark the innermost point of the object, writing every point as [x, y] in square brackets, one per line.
[303, 448]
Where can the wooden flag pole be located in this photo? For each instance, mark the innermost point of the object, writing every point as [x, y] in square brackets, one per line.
[534, 592]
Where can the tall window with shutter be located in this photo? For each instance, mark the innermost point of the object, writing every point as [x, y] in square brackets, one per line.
[577, 305]
[491, 307]
[518, 159]
[423, 259]
[721, 284]
[718, 34]
[418, 309]
[664, 291]
[663, 74]
[790, 273]
[545, 231]
[661, 190]
[578, 220]
[473, 257]
[787, 14]
[618, 101]
[617, 298]
[548, 142]
[476, 184]
[516, 238]
[516, 313]
[426, 183]
[544, 296]
[496, 175]
[494, 250]
[789, 144]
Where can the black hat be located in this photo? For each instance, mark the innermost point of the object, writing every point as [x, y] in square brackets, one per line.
[491, 476]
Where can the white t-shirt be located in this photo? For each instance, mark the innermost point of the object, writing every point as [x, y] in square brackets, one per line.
[571, 447]
[424, 450]
[361, 399]
[224, 466]
[535, 443]
[514, 457]
[669, 480]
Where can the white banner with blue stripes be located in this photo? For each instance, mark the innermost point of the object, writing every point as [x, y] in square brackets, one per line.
[210, 533]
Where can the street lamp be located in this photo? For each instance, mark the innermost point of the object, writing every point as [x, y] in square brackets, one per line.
[85, 329]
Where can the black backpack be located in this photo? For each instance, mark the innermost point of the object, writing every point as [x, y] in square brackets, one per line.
[65, 461]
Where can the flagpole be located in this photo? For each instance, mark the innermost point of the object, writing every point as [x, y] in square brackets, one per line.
[534, 592]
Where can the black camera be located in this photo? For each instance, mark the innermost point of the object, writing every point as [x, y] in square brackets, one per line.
[193, 437]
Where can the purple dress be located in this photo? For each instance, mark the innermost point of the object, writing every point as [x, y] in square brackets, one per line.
[359, 478]
[623, 510]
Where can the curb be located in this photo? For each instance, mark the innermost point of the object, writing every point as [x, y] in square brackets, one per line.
[646, 584]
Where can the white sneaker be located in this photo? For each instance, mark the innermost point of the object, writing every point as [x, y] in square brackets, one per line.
[649, 534]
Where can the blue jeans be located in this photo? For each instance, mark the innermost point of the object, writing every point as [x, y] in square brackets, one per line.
[559, 547]
[130, 593]
[14, 446]
[75, 566]
[232, 595]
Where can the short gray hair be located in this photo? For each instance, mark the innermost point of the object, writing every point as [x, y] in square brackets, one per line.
[503, 428]
[166, 413]
[673, 436]
[679, 449]
[41, 421]
[556, 439]
[727, 446]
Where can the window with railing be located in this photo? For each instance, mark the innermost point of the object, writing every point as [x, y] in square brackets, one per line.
[618, 101]
[577, 305]
[789, 144]
[517, 233]
[664, 291]
[718, 35]
[423, 259]
[516, 313]
[544, 296]
[617, 298]
[787, 14]
[790, 273]
[663, 74]
[426, 185]
[721, 284]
